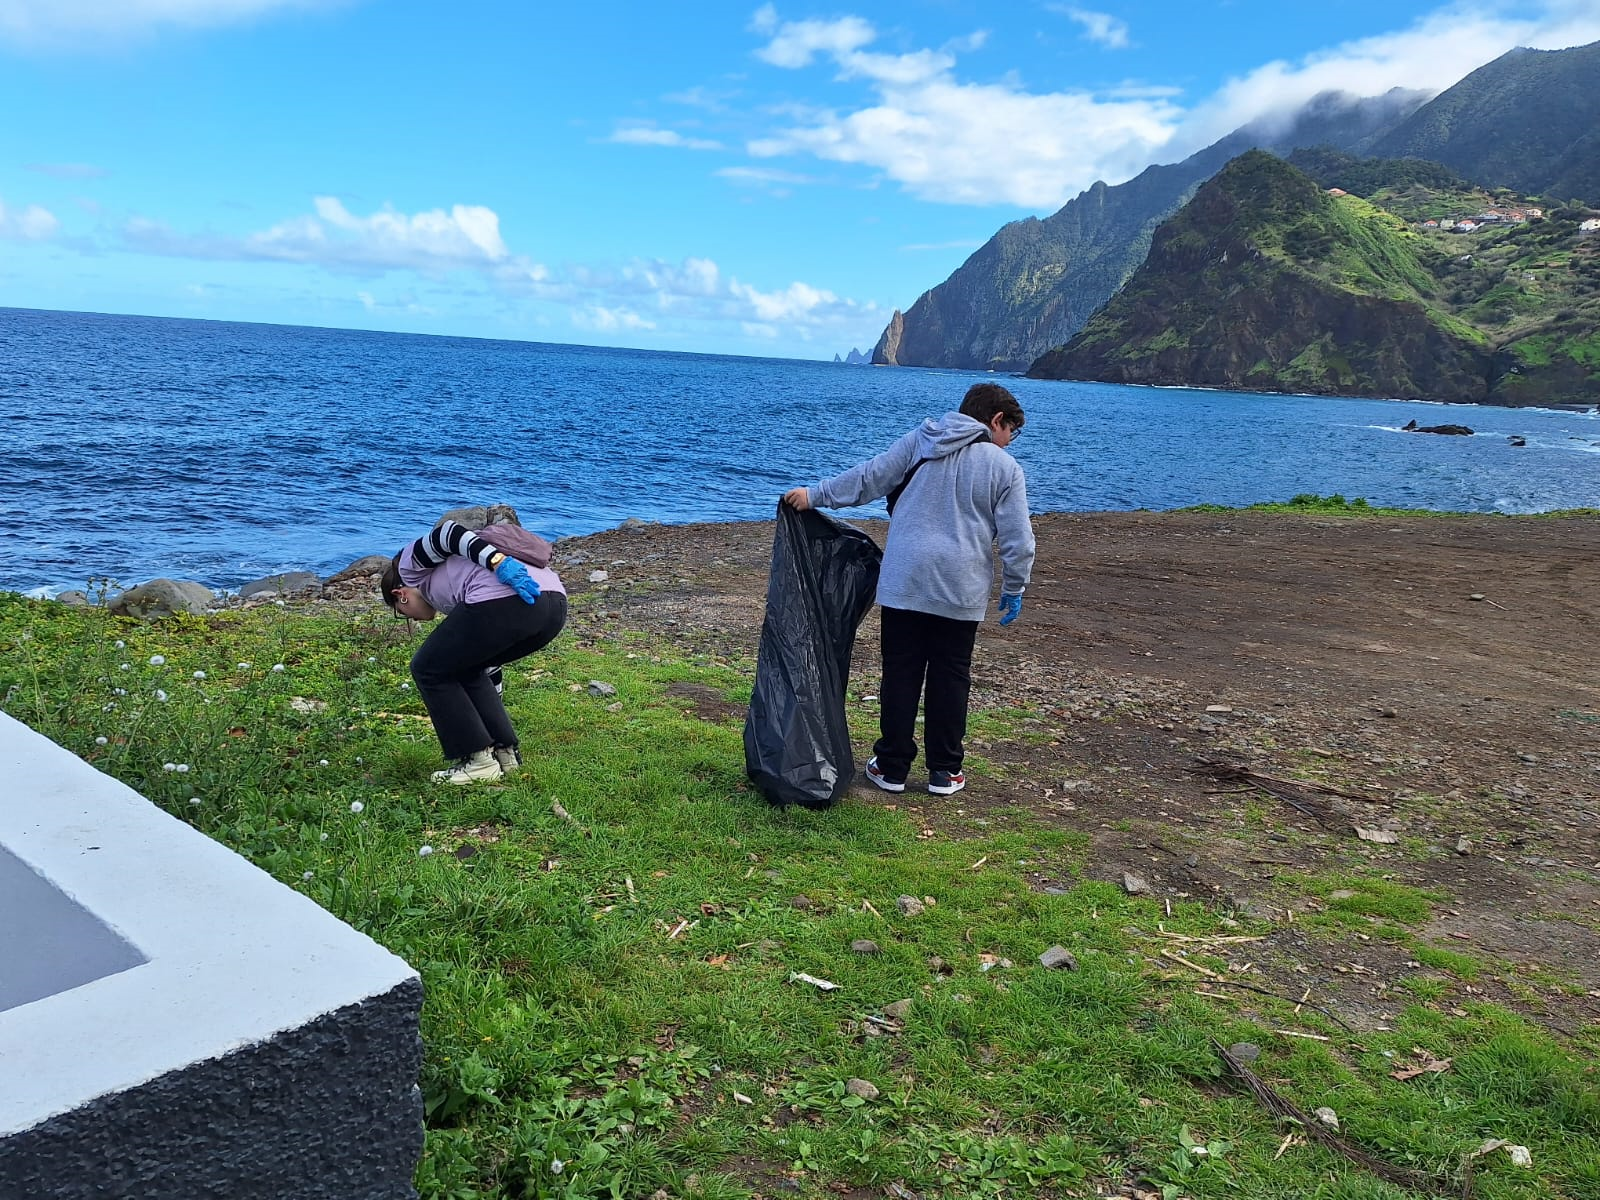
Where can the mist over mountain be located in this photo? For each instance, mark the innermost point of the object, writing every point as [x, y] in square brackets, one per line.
[1529, 120]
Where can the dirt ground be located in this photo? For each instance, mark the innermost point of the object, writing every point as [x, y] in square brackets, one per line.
[1442, 673]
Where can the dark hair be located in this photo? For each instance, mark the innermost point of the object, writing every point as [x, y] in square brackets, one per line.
[389, 581]
[984, 400]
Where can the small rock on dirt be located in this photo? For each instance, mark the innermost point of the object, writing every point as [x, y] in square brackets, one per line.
[1463, 845]
[803, 903]
[898, 1011]
[910, 906]
[598, 576]
[1135, 885]
[1058, 958]
[864, 1088]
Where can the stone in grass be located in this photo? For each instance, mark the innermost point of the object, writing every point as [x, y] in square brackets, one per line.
[163, 597]
[910, 906]
[864, 1088]
[1328, 1117]
[803, 903]
[898, 1011]
[1245, 1052]
[597, 688]
[864, 946]
[1058, 958]
[1135, 885]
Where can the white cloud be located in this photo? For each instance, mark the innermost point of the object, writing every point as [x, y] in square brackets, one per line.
[1101, 28]
[646, 135]
[72, 22]
[769, 178]
[641, 295]
[796, 43]
[795, 302]
[466, 236]
[955, 142]
[598, 319]
[30, 224]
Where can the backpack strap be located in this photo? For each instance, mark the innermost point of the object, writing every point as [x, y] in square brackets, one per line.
[893, 497]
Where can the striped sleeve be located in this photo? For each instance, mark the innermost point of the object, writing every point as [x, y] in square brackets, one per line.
[449, 538]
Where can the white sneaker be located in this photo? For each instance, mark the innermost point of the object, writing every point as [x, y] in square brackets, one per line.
[509, 758]
[481, 767]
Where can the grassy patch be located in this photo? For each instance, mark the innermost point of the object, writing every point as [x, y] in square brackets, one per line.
[611, 1003]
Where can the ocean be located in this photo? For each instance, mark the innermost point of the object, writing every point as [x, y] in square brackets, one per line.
[136, 447]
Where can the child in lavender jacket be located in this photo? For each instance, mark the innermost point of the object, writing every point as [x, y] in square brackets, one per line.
[496, 611]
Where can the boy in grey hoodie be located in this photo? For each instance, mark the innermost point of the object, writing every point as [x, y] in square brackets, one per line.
[954, 494]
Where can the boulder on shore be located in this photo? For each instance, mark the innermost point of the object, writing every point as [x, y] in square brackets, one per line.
[163, 597]
[286, 583]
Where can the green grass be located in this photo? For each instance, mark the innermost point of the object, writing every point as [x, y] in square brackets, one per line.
[611, 993]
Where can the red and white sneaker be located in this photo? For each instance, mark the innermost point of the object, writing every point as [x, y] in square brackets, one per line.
[875, 773]
[946, 783]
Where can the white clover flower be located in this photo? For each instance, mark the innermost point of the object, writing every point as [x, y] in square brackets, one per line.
[158, 660]
[100, 741]
[124, 666]
[424, 851]
[557, 1166]
[359, 760]
[119, 691]
[322, 762]
[405, 687]
[279, 603]
[169, 766]
[277, 667]
[103, 679]
[324, 838]
[199, 674]
[244, 666]
[182, 768]
[306, 876]
[111, 707]
[372, 658]
[120, 644]
[195, 800]
[161, 696]
[356, 806]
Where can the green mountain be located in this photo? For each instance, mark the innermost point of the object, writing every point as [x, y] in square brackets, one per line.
[1265, 281]
[1529, 120]
[1035, 282]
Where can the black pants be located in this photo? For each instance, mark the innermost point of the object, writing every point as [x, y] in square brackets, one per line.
[452, 667]
[920, 647]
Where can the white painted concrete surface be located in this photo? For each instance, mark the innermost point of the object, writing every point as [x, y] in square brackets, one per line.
[234, 956]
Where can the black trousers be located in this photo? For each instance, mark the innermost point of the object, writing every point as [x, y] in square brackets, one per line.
[452, 667]
[920, 648]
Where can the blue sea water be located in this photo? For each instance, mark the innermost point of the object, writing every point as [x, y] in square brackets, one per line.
[133, 447]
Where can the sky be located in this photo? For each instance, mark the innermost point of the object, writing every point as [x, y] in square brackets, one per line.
[732, 178]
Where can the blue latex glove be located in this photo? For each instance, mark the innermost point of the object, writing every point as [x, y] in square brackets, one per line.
[1010, 608]
[514, 575]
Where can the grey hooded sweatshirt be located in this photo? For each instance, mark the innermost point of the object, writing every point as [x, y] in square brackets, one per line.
[968, 497]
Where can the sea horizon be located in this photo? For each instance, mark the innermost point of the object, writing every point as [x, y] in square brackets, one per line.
[224, 451]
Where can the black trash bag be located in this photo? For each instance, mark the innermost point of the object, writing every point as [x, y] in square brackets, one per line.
[824, 577]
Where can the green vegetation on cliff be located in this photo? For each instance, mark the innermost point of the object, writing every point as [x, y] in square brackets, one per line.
[1266, 281]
